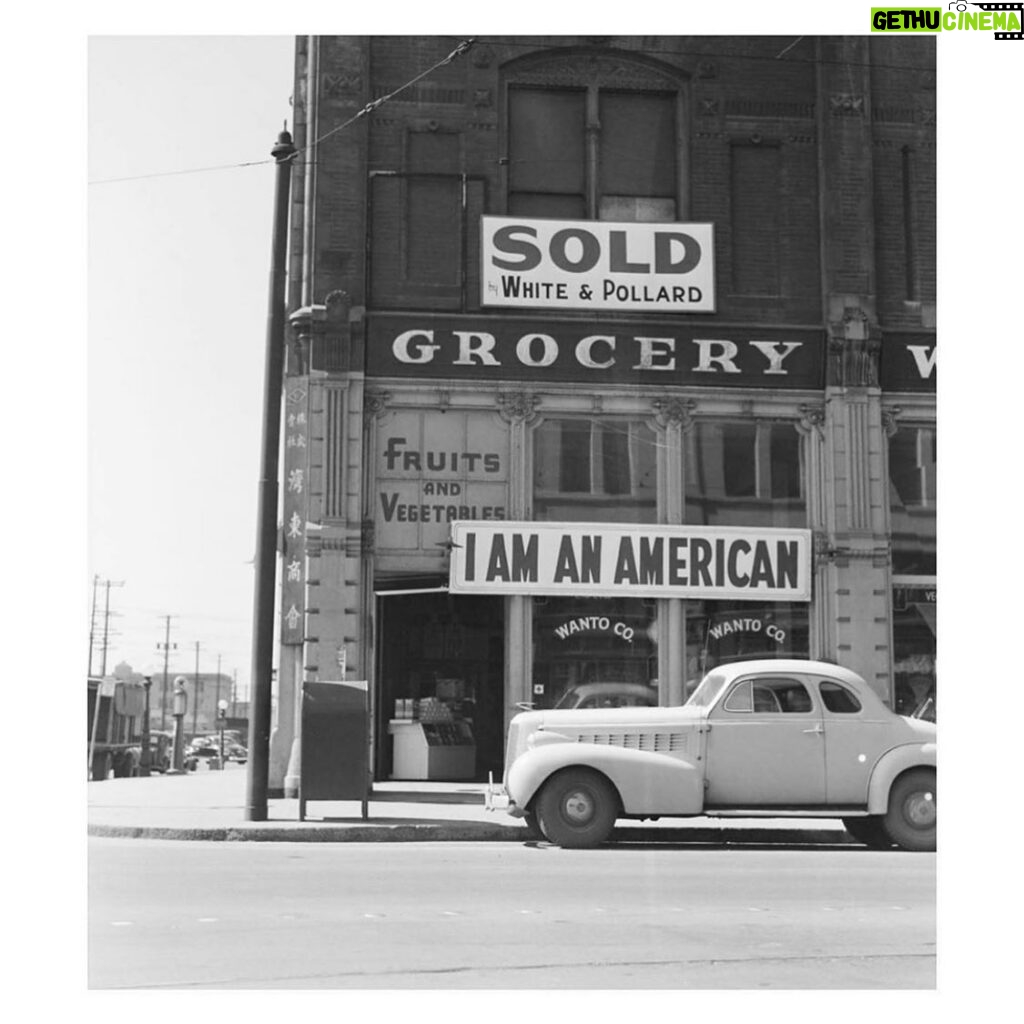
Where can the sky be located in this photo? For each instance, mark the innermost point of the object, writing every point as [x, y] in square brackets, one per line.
[177, 307]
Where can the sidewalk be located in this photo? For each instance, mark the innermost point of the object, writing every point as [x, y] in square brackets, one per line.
[210, 805]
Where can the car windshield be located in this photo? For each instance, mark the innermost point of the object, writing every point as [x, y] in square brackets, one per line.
[707, 693]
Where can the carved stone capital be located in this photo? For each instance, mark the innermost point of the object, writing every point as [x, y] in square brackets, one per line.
[890, 419]
[812, 418]
[375, 404]
[517, 406]
[854, 346]
[676, 412]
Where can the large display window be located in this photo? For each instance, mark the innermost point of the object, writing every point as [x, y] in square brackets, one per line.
[912, 493]
[594, 652]
[720, 632]
[914, 608]
[912, 498]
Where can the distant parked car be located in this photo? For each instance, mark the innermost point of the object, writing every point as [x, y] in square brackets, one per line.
[202, 748]
[160, 748]
[609, 695]
[756, 739]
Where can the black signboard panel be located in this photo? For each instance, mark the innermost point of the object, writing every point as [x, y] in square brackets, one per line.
[907, 362]
[594, 352]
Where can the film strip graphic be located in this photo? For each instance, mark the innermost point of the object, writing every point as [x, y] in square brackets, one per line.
[1019, 8]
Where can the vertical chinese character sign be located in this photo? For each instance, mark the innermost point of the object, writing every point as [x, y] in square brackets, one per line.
[293, 582]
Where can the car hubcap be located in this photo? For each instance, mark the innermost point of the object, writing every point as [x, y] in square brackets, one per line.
[920, 809]
[578, 807]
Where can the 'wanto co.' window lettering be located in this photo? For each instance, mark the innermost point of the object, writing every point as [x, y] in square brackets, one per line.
[638, 560]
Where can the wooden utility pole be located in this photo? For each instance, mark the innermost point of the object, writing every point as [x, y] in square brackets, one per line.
[195, 697]
[166, 647]
[106, 621]
[92, 620]
[265, 562]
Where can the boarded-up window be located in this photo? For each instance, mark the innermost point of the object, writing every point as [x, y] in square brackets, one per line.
[755, 219]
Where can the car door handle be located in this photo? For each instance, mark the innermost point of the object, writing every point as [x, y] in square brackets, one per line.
[817, 729]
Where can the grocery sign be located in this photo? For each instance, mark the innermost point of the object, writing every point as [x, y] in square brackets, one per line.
[587, 264]
[542, 348]
[630, 560]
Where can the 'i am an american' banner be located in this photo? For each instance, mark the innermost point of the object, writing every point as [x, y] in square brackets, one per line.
[755, 564]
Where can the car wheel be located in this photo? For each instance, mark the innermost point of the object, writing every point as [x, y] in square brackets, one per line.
[910, 820]
[870, 831]
[577, 808]
[532, 824]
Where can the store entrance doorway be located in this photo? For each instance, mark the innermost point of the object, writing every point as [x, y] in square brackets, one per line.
[440, 686]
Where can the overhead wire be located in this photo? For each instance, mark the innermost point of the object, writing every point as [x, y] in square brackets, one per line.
[459, 50]
[462, 48]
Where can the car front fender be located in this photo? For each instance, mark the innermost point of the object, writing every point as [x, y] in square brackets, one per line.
[647, 783]
[892, 764]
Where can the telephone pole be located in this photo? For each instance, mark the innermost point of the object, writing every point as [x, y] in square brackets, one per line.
[216, 703]
[195, 701]
[106, 621]
[166, 647]
[92, 619]
[265, 583]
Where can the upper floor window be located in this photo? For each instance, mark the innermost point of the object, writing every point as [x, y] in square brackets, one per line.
[745, 473]
[594, 138]
[594, 470]
[592, 154]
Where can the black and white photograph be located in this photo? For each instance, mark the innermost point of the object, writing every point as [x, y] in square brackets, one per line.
[506, 472]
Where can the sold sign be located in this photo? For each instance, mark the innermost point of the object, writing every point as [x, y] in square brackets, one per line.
[587, 264]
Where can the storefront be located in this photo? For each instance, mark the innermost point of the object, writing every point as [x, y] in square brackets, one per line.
[556, 422]
[616, 290]
[908, 377]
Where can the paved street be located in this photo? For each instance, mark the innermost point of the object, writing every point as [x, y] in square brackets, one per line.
[506, 916]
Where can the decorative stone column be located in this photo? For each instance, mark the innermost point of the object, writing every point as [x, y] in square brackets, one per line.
[518, 409]
[673, 418]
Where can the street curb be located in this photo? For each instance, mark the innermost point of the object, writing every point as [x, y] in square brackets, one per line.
[319, 833]
[471, 832]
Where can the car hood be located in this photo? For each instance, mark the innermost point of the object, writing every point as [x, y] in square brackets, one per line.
[527, 723]
[551, 719]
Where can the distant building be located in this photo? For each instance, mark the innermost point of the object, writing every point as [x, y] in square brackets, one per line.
[680, 283]
[201, 715]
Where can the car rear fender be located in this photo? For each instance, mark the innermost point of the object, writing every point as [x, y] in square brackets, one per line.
[892, 764]
[647, 783]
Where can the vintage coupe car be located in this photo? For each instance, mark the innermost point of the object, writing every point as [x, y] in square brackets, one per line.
[766, 738]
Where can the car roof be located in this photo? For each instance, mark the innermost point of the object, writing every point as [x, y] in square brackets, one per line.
[734, 669]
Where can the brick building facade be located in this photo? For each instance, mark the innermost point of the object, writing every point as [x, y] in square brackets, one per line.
[793, 388]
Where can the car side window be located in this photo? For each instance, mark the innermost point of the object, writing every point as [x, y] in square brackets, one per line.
[740, 698]
[838, 699]
[769, 696]
[780, 696]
